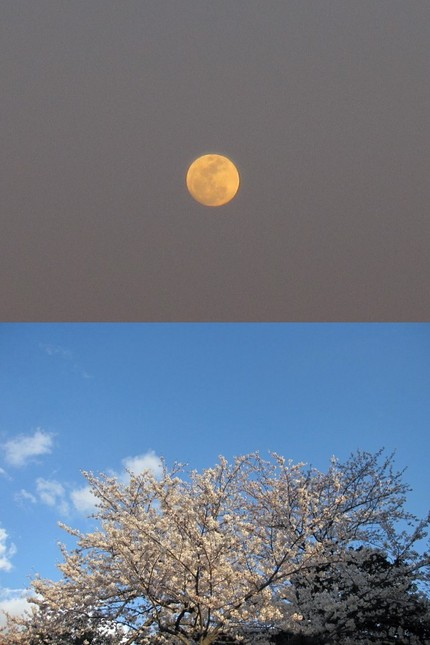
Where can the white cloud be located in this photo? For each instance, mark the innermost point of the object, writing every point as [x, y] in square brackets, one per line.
[25, 495]
[14, 602]
[66, 355]
[22, 449]
[4, 473]
[139, 463]
[49, 491]
[56, 350]
[52, 493]
[7, 551]
[84, 500]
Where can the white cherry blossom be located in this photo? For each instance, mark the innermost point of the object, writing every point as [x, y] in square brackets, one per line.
[187, 558]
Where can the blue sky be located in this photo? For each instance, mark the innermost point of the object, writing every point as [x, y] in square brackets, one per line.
[105, 396]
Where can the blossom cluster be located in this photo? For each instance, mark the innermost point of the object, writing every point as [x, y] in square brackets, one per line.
[194, 557]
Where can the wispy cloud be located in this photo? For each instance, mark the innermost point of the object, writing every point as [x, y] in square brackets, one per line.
[53, 494]
[24, 448]
[7, 551]
[50, 492]
[66, 355]
[56, 350]
[23, 495]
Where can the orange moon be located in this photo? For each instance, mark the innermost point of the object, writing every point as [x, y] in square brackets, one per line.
[213, 180]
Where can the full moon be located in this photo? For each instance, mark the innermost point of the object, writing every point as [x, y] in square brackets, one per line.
[213, 180]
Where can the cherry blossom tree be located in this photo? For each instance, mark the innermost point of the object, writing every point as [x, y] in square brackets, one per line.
[206, 557]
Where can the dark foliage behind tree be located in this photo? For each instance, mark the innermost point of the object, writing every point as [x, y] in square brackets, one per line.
[363, 597]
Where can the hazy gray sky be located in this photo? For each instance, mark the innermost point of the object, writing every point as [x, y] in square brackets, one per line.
[324, 106]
